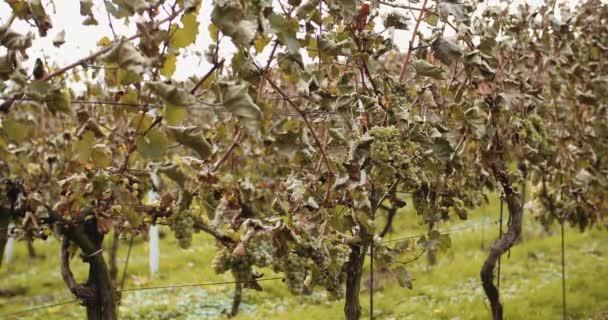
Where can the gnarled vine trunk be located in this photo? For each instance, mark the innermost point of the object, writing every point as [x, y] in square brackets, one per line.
[236, 300]
[31, 251]
[354, 271]
[430, 254]
[97, 293]
[502, 245]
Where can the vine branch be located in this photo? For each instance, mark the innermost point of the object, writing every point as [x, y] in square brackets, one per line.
[406, 61]
[310, 129]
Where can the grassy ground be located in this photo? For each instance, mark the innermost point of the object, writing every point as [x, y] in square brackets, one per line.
[530, 281]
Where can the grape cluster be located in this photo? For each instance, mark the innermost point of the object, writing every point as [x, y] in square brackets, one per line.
[320, 265]
[260, 251]
[340, 253]
[336, 275]
[295, 268]
[211, 198]
[534, 135]
[241, 270]
[332, 281]
[387, 145]
[222, 261]
[317, 255]
[393, 154]
[183, 227]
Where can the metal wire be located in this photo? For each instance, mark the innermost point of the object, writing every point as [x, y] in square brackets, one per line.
[137, 289]
[198, 284]
[444, 232]
[38, 308]
[203, 105]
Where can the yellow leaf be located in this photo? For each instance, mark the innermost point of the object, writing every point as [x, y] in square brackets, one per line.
[104, 42]
[186, 35]
[259, 43]
[213, 31]
[101, 156]
[169, 66]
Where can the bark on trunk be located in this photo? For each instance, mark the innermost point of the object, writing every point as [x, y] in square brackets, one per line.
[31, 251]
[354, 271]
[113, 252]
[432, 259]
[97, 293]
[502, 245]
[236, 301]
[4, 221]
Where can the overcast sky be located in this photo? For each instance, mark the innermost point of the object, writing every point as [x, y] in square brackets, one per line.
[81, 40]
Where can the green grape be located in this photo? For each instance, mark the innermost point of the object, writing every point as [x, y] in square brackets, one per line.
[332, 282]
[241, 270]
[326, 268]
[533, 132]
[183, 227]
[394, 154]
[260, 251]
[222, 261]
[295, 268]
[315, 254]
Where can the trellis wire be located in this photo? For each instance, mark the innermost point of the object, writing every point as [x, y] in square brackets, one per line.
[227, 282]
[205, 284]
[371, 294]
[445, 231]
[280, 278]
[39, 308]
[136, 289]
[205, 106]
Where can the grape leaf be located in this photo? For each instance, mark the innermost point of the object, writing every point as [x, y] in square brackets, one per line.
[454, 8]
[58, 100]
[238, 101]
[404, 277]
[101, 156]
[424, 68]
[186, 35]
[174, 114]
[83, 147]
[230, 17]
[126, 56]
[193, 138]
[446, 51]
[396, 20]
[86, 7]
[171, 94]
[13, 40]
[168, 68]
[153, 146]
[59, 39]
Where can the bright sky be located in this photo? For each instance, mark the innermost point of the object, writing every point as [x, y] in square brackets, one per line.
[81, 40]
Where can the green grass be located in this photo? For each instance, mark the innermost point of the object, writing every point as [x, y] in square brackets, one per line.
[530, 280]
